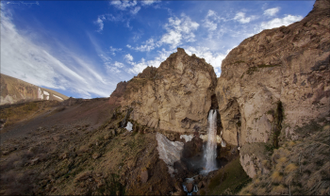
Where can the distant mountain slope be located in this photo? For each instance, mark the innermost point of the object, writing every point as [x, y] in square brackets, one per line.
[14, 90]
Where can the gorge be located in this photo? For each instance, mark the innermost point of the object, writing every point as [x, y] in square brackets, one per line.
[262, 127]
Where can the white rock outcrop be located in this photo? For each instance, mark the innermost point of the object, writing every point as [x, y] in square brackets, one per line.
[169, 151]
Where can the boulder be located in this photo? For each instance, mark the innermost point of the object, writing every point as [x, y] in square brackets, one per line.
[144, 176]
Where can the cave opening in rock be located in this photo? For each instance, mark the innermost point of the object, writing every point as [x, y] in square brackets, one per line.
[279, 115]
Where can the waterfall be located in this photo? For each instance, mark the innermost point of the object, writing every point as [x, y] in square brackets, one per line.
[210, 152]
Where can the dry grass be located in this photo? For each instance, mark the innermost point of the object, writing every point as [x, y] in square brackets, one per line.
[290, 168]
[291, 143]
[282, 160]
[279, 190]
[301, 165]
[276, 177]
[266, 164]
[25, 111]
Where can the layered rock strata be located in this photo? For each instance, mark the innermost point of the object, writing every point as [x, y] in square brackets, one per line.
[276, 81]
[175, 97]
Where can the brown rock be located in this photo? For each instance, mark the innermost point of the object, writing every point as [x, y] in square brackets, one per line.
[190, 187]
[96, 155]
[57, 138]
[64, 156]
[106, 136]
[200, 185]
[176, 96]
[265, 75]
[144, 176]
[34, 161]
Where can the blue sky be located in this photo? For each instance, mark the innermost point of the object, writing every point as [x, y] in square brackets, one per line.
[84, 48]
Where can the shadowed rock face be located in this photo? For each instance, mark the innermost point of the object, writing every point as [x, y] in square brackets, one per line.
[277, 80]
[176, 96]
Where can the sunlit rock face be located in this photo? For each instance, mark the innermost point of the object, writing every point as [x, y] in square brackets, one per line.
[176, 96]
[277, 80]
[14, 90]
[169, 151]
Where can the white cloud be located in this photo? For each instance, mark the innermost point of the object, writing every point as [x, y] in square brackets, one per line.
[240, 17]
[128, 57]
[147, 46]
[100, 23]
[28, 61]
[213, 58]
[140, 66]
[179, 30]
[123, 4]
[112, 70]
[118, 18]
[149, 2]
[211, 20]
[107, 17]
[118, 64]
[135, 10]
[271, 11]
[277, 22]
[114, 50]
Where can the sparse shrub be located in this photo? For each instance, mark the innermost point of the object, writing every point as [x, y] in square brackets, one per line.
[291, 143]
[276, 177]
[266, 164]
[279, 190]
[290, 168]
[282, 160]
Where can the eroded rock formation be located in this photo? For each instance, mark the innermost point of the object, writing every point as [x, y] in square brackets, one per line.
[277, 80]
[175, 97]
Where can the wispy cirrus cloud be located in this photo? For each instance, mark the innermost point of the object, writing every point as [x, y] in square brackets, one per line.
[108, 17]
[24, 59]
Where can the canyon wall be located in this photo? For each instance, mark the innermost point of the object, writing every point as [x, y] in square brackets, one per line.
[277, 81]
[175, 97]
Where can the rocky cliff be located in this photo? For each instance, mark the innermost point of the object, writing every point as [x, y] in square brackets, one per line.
[277, 81]
[176, 96]
[14, 90]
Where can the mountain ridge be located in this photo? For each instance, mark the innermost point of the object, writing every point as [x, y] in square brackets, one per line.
[14, 90]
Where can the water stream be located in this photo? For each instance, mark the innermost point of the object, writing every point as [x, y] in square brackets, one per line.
[210, 152]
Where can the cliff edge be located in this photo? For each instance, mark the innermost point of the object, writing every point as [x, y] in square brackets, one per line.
[177, 96]
[277, 81]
